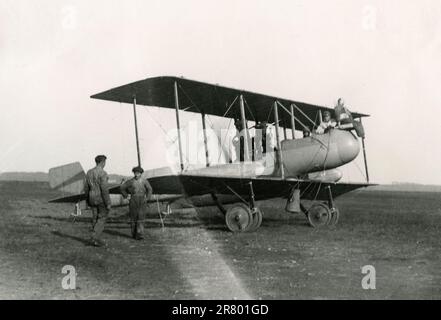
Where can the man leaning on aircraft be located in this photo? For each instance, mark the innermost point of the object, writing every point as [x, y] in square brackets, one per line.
[98, 198]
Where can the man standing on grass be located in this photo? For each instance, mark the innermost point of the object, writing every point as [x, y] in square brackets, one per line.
[97, 197]
[140, 192]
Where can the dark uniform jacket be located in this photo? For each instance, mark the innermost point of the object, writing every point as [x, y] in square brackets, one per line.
[96, 187]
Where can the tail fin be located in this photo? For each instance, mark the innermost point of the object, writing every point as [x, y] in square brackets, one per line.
[68, 178]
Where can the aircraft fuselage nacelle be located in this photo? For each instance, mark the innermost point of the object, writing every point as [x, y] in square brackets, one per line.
[319, 152]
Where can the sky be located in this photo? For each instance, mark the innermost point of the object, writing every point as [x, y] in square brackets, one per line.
[382, 57]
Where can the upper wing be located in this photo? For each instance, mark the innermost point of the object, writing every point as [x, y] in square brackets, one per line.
[208, 98]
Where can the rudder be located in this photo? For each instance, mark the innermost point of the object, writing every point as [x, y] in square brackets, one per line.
[68, 178]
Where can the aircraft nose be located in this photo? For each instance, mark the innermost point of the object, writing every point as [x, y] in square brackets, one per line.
[347, 144]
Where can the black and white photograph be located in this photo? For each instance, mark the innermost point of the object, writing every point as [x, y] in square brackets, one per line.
[233, 151]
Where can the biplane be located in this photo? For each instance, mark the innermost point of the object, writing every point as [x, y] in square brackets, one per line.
[298, 170]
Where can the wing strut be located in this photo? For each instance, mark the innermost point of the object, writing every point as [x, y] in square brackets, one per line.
[245, 128]
[136, 131]
[308, 118]
[293, 122]
[204, 129]
[365, 159]
[178, 124]
[279, 146]
[293, 118]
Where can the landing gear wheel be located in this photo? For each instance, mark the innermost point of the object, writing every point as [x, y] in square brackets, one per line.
[238, 218]
[256, 220]
[319, 215]
[335, 214]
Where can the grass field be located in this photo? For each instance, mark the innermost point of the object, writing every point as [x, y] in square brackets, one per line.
[195, 257]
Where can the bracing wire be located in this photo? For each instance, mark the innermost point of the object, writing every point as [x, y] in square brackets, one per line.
[208, 118]
[249, 109]
[228, 129]
[166, 133]
[236, 194]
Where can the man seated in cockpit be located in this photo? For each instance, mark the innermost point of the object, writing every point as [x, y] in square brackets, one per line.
[306, 133]
[326, 124]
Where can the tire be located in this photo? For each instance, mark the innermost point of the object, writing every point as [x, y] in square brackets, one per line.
[319, 215]
[238, 218]
[257, 217]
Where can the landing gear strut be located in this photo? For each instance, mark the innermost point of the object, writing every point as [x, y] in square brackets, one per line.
[218, 203]
[244, 218]
[335, 214]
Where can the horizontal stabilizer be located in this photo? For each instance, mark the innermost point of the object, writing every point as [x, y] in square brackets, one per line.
[73, 198]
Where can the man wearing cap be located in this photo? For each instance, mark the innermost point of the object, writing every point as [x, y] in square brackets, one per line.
[345, 121]
[140, 192]
[326, 124]
[343, 115]
[97, 197]
[306, 133]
